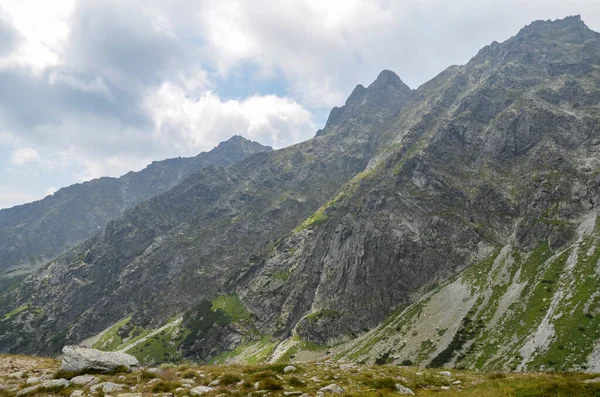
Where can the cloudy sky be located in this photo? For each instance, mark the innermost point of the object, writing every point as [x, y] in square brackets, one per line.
[93, 88]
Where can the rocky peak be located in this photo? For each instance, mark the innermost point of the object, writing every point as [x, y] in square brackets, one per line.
[383, 98]
[238, 142]
[552, 28]
[388, 80]
[547, 47]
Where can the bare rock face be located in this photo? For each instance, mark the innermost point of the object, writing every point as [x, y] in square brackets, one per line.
[82, 360]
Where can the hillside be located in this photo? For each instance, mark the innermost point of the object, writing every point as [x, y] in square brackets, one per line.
[451, 225]
[35, 233]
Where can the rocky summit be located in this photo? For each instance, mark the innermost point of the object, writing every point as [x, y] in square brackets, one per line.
[453, 225]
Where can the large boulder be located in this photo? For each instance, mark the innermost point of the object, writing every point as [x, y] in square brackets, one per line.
[84, 360]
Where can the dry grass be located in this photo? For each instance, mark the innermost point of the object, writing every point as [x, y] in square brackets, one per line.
[360, 380]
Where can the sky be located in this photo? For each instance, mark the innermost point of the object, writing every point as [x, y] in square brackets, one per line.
[92, 88]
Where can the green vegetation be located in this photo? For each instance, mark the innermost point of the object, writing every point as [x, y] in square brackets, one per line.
[253, 352]
[282, 275]
[111, 340]
[299, 347]
[316, 219]
[159, 348]
[16, 311]
[467, 331]
[232, 306]
[322, 314]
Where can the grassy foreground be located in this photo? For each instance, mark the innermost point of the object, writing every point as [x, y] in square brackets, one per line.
[272, 380]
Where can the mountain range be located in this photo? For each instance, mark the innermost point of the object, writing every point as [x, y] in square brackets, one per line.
[33, 234]
[450, 225]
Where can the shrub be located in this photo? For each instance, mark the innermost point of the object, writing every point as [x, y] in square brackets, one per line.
[165, 387]
[146, 376]
[270, 384]
[229, 379]
[263, 375]
[295, 381]
[383, 383]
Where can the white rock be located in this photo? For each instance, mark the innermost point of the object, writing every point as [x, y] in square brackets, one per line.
[33, 380]
[456, 382]
[404, 390]
[257, 385]
[332, 388]
[17, 375]
[445, 388]
[83, 359]
[152, 382]
[197, 391]
[214, 383]
[77, 393]
[47, 384]
[83, 380]
[445, 373]
[96, 387]
[110, 387]
[289, 368]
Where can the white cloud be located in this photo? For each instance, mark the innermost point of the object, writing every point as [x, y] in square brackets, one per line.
[44, 26]
[93, 86]
[200, 123]
[51, 190]
[25, 156]
[101, 87]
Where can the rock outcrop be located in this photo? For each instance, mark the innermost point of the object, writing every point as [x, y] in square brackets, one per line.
[85, 360]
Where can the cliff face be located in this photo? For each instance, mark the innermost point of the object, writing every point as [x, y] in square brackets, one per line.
[458, 219]
[35, 233]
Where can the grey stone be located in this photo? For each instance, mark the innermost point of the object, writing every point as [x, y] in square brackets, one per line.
[332, 388]
[17, 375]
[446, 373]
[110, 387]
[47, 384]
[400, 388]
[198, 391]
[289, 368]
[83, 380]
[81, 359]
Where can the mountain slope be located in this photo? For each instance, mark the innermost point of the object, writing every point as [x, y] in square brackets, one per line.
[466, 199]
[32, 234]
[186, 245]
[478, 158]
